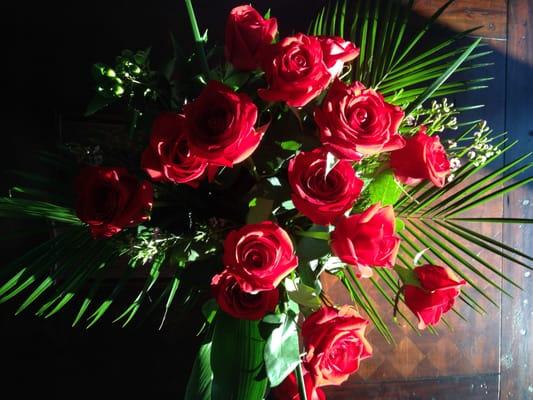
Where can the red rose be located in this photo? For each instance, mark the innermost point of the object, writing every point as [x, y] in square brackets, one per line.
[423, 157]
[295, 70]
[239, 304]
[288, 390]
[110, 199]
[319, 197]
[247, 33]
[335, 344]
[436, 295]
[168, 157]
[337, 51]
[367, 239]
[259, 255]
[220, 125]
[356, 122]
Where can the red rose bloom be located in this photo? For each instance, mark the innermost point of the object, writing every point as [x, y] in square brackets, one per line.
[168, 157]
[239, 304]
[110, 199]
[259, 255]
[319, 197]
[439, 287]
[335, 343]
[295, 70]
[423, 157]
[220, 125]
[356, 122]
[367, 239]
[337, 51]
[288, 390]
[247, 33]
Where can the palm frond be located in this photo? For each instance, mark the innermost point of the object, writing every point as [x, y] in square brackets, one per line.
[407, 78]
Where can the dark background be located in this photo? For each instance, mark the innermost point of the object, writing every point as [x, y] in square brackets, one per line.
[48, 51]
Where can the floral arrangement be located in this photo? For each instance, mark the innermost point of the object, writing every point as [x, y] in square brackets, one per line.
[287, 158]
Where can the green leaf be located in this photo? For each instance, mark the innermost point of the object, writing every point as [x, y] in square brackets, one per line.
[314, 243]
[282, 354]
[209, 310]
[399, 225]
[407, 276]
[237, 360]
[199, 384]
[302, 294]
[443, 78]
[314, 235]
[21, 208]
[290, 145]
[384, 189]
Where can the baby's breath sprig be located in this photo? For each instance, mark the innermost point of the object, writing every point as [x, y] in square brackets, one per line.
[477, 152]
[436, 119]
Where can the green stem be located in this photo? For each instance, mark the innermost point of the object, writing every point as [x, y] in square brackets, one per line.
[301, 383]
[197, 38]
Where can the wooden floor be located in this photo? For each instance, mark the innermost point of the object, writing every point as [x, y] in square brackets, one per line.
[488, 358]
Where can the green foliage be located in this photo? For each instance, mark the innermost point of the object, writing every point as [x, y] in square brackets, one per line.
[384, 189]
[22, 208]
[237, 360]
[282, 353]
[387, 61]
[199, 384]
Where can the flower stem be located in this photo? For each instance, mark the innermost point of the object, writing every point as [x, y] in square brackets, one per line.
[198, 40]
[301, 383]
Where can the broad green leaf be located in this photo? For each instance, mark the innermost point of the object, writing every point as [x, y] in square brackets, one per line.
[313, 243]
[199, 384]
[302, 294]
[282, 353]
[384, 189]
[237, 360]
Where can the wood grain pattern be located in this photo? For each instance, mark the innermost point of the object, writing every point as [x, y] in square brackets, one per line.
[517, 313]
[465, 14]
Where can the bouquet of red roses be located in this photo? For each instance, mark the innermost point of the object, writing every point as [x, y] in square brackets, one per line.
[283, 160]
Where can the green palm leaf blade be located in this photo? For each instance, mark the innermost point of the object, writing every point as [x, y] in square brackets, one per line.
[19, 208]
[465, 297]
[427, 240]
[461, 259]
[31, 266]
[89, 298]
[76, 260]
[132, 309]
[435, 193]
[389, 299]
[496, 220]
[475, 240]
[425, 58]
[106, 304]
[422, 33]
[470, 188]
[490, 196]
[68, 292]
[470, 195]
[470, 253]
[369, 309]
[489, 240]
